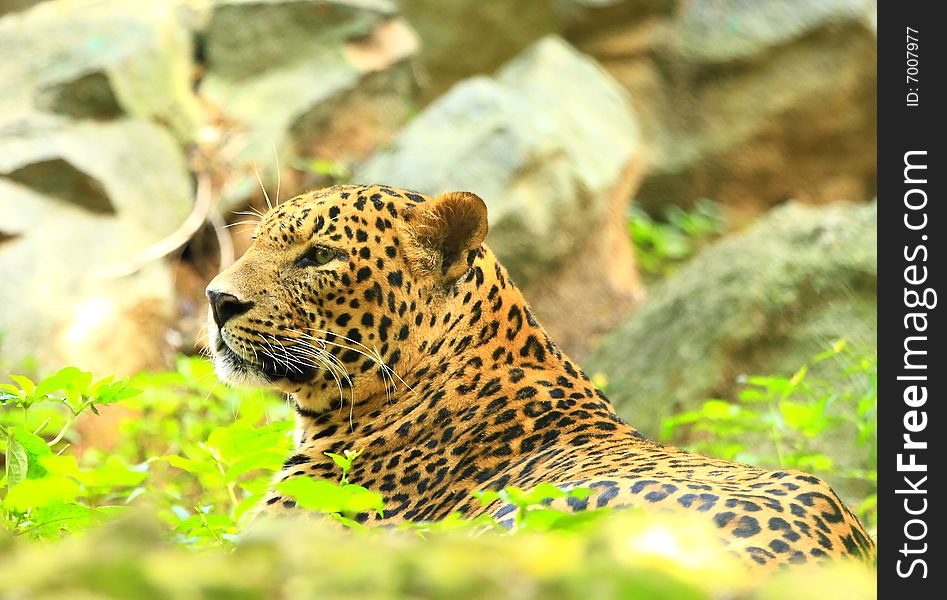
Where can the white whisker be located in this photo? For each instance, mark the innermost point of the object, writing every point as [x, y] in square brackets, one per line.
[279, 174]
[269, 205]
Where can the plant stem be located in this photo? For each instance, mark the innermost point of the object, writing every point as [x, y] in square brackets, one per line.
[230, 486]
[64, 429]
[40, 428]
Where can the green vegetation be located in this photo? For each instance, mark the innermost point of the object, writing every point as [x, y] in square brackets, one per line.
[154, 507]
[199, 452]
[783, 422]
[661, 245]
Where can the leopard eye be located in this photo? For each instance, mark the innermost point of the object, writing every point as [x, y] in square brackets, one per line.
[316, 256]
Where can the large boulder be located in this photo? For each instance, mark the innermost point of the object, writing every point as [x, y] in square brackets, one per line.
[101, 60]
[461, 38]
[761, 302]
[747, 103]
[550, 143]
[304, 79]
[7, 6]
[76, 201]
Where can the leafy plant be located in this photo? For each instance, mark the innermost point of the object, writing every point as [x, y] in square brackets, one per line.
[331, 171]
[532, 512]
[43, 492]
[199, 452]
[198, 455]
[340, 501]
[661, 245]
[212, 449]
[782, 422]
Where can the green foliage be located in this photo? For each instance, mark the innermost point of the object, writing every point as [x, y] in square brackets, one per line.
[532, 513]
[661, 245]
[631, 555]
[201, 454]
[782, 422]
[190, 458]
[41, 491]
[331, 171]
[340, 501]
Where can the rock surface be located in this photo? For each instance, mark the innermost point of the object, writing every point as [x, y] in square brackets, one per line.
[747, 103]
[761, 302]
[335, 81]
[101, 60]
[493, 32]
[550, 144]
[8, 6]
[57, 239]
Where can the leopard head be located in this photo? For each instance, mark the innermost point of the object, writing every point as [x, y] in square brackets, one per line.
[340, 290]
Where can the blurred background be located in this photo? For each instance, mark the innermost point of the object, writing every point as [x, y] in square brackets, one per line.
[683, 188]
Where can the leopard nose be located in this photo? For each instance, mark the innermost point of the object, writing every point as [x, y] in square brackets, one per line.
[226, 306]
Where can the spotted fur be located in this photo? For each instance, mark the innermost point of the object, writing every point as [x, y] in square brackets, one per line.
[412, 344]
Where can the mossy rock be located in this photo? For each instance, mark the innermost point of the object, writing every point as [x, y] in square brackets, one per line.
[761, 302]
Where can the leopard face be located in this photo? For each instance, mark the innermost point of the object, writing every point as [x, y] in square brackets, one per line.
[337, 289]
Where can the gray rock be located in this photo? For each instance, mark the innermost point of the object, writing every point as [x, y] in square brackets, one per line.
[8, 6]
[746, 102]
[101, 60]
[715, 31]
[543, 143]
[761, 302]
[550, 143]
[461, 38]
[57, 237]
[334, 82]
[579, 15]
[245, 38]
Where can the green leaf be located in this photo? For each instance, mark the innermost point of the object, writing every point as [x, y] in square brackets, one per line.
[343, 462]
[266, 460]
[64, 465]
[35, 448]
[36, 493]
[797, 416]
[544, 519]
[189, 465]
[201, 520]
[815, 462]
[246, 505]
[580, 493]
[25, 383]
[113, 473]
[350, 523]
[55, 519]
[537, 495]
[15, 390]
[718, 409]
[326, 496]
[486, 496]
[17, 462]
[58, 381]
[110, 393]
[195, 369]
[239, 440]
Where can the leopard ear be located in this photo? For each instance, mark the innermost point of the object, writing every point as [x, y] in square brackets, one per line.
[448, 230]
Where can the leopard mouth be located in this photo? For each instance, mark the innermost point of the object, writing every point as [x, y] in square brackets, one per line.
[233, 368]
[266, 367]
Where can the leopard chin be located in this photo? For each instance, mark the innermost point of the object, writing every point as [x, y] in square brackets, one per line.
[234, 370]
[266, 371]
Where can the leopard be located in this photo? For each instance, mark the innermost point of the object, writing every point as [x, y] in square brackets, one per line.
[394, 331]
